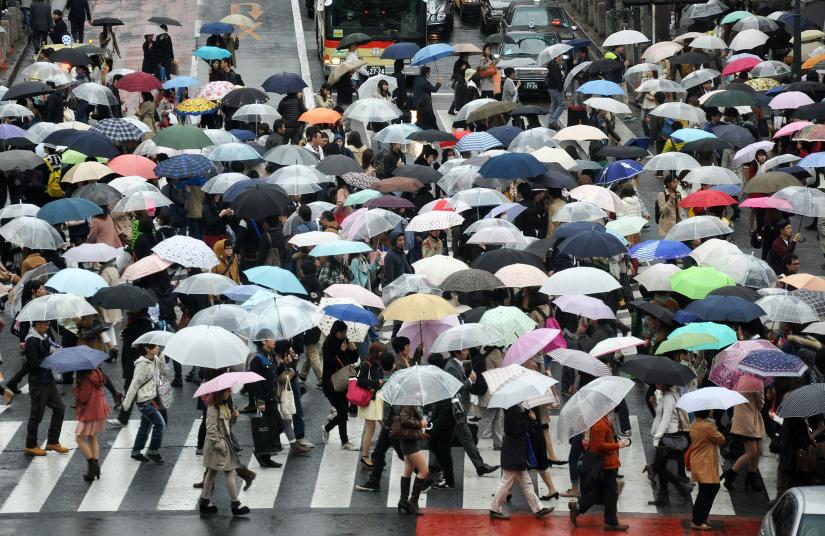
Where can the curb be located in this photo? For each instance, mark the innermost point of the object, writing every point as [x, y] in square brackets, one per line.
[12, 73]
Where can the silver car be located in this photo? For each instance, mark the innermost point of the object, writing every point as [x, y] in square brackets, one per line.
[798, 512]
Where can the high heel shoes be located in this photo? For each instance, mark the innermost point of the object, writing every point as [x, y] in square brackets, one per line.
[649, 470]
[549, 497]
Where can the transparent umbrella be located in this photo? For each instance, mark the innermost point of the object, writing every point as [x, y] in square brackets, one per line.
[746, 270]
[480, 197]
[228, 316]
[31, 233]
[55, 307]
[301, 170]
[95, 94]
[371, 223]
[296, 185]
[459, 179]
[419, 385]
[408, 284]
[280, 318]
[372, 110]
[157, 338]
[533, 140]
[488, 223]
[465, 336]
[803, 200]
[713, 248]
[591, 403]
[712, 175]
[787, 308]
[142, 201]
[579, 211]
[220, 183]
[530, 389]
[208, 284]
[697, 227]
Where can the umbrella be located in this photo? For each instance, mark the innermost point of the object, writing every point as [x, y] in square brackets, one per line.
[579, 133]
[511, 165]
[95, 94]
[803, 402]
[351, 313]
[437, 268]
[658, 370]
[579, 280]
[528, 345]
[497, 235]
[24, 90]
[206, 346]
[227, 380]
[619, 170]
[339, 247]
[178, 82]
[70, 56]
[148, 265]
[126, 297]
[600, 87]
[464, 336]
[86, 171]
[745, 270]
[76, 281]
[418, 307]
[505, 134]
[687, 341]
[141, 200]
[419, 385]
[615, 344]
[804, 281]
[117, 130]
[400, 51]
[585, 306]
[533, 140]
[724, 371]
[804, 201]
[748, 40]
[196, 106]
[599, 196]
[680, 111]
[208, 284]
[221, 182]
[715, 308]
[431, 135]
[653, 309]
[707, 198]
[772, 363]
[710, 398]
[397, 134]
[139, 82]
[790, 100]
[370, 223]
[363, 296]
[216, 28]
[787, 308]
[241, 97]
[510, 321]
[312, 238]
[153, 338]
[284, 83]
[55, 307]
[625, 37]
[186, 251]
[660, 51]
[626, 225]
[18, 160]
[470, 280]
[699, 77]
[75, 358]
[68, 209]
[582, 361]
[31, 233]
[211, 53]
[131, 164]
[672, 161]
[697, 281]
[389, 202]
[530, 389]
[723, 335]
[477, 141]
[521, 276]
[338, 165]
[588, 244]
[660, 85]
[320, 116]
[283, 317]
[372, 110]
[182, 137]
[657, 277]
[495, 260]
[712, 175]
[425, 174]
[98, 252]
[260, 201]
[591, 403]
[234, 152]
[431, 54]
[359, 198]
[276, 278]
[696, 228]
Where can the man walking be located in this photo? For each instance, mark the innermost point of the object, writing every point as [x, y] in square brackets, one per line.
[79, 13]
[555, 87]
[43, 392]
[41, 23]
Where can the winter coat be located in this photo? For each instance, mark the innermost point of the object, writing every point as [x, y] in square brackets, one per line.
[226, 266]
[632, 207]
[41, 16]
[747, 418]
[91, 401]
[264, 390]
[705, 440]
[668, 212]
[603, 441]
[103, 231]
[144, 384]
[78, 10]
[36, 349]
[395, 265]
[514, 443]
[218, 452]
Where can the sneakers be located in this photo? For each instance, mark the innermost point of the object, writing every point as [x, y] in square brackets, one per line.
[442, 484]
[34, 451]
[349, 445]
[298, 449]
[115, 422]
[155, 458]
[368, 486]
[304, 443]
[56, 447]
[140, 458]
[324, 434]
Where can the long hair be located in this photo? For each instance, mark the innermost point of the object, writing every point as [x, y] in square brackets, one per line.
[374, 352]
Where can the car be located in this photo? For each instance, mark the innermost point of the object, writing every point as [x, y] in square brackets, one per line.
[468, 8]
[539, 16]
[521, 54]
[440, 18]
[798, 512]
[492, 13]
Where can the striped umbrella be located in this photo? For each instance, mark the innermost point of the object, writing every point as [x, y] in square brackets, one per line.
[477, 141]
[183, 166]
[804, 401]
[117, 130]
[196, 106]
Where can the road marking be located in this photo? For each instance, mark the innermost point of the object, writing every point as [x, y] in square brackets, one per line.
[336, 474]
[637, 490]
[40, 476]
[298, 25]
[116, 474]
[479, 491]
[768, 467]
[7, 431]
[3, 409]
[179, 493]
[264, 490]
[254, 13]
[394, 493]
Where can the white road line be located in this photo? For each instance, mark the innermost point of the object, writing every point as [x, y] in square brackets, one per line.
[394, 492]
[479, 491]
[298, 25]
[41, 476]
[116, 474]
[3, 408]
[179, 493]
[265, 488]
[768, 467]
[637, 490]
[336, 474]
[7, 431]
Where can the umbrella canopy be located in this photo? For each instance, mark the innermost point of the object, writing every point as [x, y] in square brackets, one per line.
[579, 280]
[511, 322]
[657, 370]
[98, 252]
[148, 265]
[275, 278]
[68, 209]
[208, 284]
[470, 280]
[696, 282]
[495, 260]
[260, 201]
[582, 361]
[418, 307]
[803, 402]
[419, 385]
[31, 233]
[206, 346]
[591, 403]
[76, 281]
[579, 211]
[804, 281]
[657, 250]
[339, 247]
[715, 308]
[372, 110]
[529, 389]
[75, 358]
[589, 244]
[599, 196]
[186, 251]
[585, 306]
[363, 296]
[724, 335]
[787, 308]
[437, 268]
[55, 307]
[615, 344]
[126, 297]
[710, 398]
[465, 336]
[142, 200]
[772, 363]
[771, 182]
[227, 380]
[529, 345]
[521, 276]
[696, 228]
[182, 137]
[657, 277]
[803, 201]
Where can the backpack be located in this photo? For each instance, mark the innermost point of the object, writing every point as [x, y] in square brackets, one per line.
[53, 187]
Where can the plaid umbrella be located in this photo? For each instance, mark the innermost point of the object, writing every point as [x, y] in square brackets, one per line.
[359, 180]
[787, 308]
[196, 106]
[183, 166]
[805, 401]
[215, 90]
[813, 298]
[471, 280]
[117, 130]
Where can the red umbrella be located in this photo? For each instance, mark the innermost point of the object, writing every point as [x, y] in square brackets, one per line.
[139, 81]
[740, 65]
[707, 198]
[457, 135]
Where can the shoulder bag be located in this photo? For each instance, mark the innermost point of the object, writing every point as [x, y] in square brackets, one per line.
[400, 432]
[165, 395]
[287, 401]
[358, 395]
[340, 379]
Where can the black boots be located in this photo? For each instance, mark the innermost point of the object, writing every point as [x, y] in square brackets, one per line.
[206, 508]
[752, 481]
[728, 478]
[418, 486]
[403, 501]
[90, 472]
[237, 509]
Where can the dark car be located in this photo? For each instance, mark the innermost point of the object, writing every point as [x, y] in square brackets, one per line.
[539, 16]
[522, 54]
[440, 18]
[492, 13]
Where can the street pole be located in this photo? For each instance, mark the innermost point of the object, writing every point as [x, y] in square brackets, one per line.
[796, 68]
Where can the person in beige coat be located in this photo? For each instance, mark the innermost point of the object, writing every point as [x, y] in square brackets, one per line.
[668, 204]
[705, 441]
[748, 424]
[219, 453]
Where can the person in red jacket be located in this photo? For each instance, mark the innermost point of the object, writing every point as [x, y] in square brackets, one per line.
[602, 441]
[92, 410]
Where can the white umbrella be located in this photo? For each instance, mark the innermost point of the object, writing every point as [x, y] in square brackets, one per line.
[480, 197]
[437, 268]
[746, 270]
[496, 235]
[371, 223]
[397, 133]
[680, 111]
[626, 225]
[15, 210]
[153, 338]
[710, 398]
[486, 223]
[419, 385]
[458, 179]
[530, 389]
[221, 182]
[98, 252]
[35, 133]
[372, 110]
[787, 308]
[521, 276]
[356, 331]
[708, 42]
[579, 133]
[369, 88]
[465, 336]
[712, 175]
[625, 37]
[780, 160]
[546, 155]
[713, 248]
[608, 104]
[616, 344]
[748, 39]
[256, 113]
[312, 238]
[657, 277]
[660, 84]
[582, 361]
[768, 69]
[142, 201]
[661, 50]
[579, 280]
[579, 211]
[13, 109]
[31, 233]
[76, 281]
[226, 316]
[296, 185]
[634, 75]
[599, 196]
[533, 139]
[208, 284]
[552, 52]
[689, 36]
[591, 403]
[434, 220]
[55, 307]
[672, 161]
[699, 77]
[206, 346]
[319, 207]
[301, 170]
[697, 227]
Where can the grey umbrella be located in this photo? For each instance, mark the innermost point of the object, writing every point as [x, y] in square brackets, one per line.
[98, 193]
[471, 280]
[425, 174]
[738, 136]
[338, 164]
[19, 160]
[804, 401]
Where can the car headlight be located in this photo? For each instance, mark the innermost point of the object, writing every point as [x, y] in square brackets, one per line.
[441, 16]
[336, 61]
[497, 12]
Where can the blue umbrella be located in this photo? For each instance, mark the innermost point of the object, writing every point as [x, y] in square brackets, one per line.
[505, 134]
[683, 317]
[351, 313]
[477, 141]
[275, 278]
[181, 82]
[240, 187]
[400, 51]
[512, 166]
[775, 91]
[91, 144]
[75, 358]
[212, 53]
[691, 134]
[184, 166]
[339, 247]
[578, 43]
[600, 87]
[813, 160]
[431, 54]
[68, 209]
[797, 171]
[243, 135]
[284, 83]
[619, 170]
[242, 292]
[566, 230]
[659, 250]
[732, 190]
[724, 309]
[217, 28]
[772, 363]
[588, 244]
[787, 19]
[76, 281]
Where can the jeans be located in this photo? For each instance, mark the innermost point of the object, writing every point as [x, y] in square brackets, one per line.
[576, 451]
[149, 417]
[44, 395]
[556, 106]
[298, 418]
[340, 403]
[704, 502]
[606, 494]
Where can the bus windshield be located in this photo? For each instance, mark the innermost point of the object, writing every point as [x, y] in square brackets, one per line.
[401, 20]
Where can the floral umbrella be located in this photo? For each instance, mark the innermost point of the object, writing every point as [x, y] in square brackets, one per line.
[214, 91]
[196, 106]
[724, 370]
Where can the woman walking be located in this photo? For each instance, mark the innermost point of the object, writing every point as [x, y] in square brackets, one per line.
[705, 441]
[409, 429]
[92, 410]
[219, 453]
[669, 444]
[142, 391]
[264, 390]
[371, 376]
[749, 426]
[285, 358]
[337, 352]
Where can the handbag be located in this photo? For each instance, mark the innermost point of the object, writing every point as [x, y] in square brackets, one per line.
[340, 379]
[266, 430]
[357, 395]
[401, 432]
[592, 469]
[805, 460]
[674, 442]
[287, 401]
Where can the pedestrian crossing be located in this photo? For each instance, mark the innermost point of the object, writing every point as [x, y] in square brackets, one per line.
[338, 471]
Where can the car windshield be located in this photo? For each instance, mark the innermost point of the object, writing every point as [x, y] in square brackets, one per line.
[811, 525]
[526, 47]
[539, 16]
[380, 19]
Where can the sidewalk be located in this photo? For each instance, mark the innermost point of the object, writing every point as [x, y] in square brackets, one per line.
[16, 59]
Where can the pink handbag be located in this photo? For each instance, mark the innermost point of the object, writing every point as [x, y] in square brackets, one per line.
[358, 395]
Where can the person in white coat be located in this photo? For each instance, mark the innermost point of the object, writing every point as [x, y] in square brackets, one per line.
[669, 445]
[142, 392]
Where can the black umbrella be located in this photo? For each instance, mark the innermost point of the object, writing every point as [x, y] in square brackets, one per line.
[738, 86]
[556, 177]
[353, 39]
[540, 248]
[90, 50]
[729, 98]
[493, 261]
[63, 136]
[603, 66]
[566, 230]
[72, 56]
[425, 174]
[528, 109]
[691, 58]
[338, 164]
[621, 151]
[17, 143]
[589, 244]
[126, 297]
[738, 136]
[284, 83]
[26, 89]
[806, 87]
[740, 292]
[803, 402]
[260, 202]
[499, 39]
[431, 135]
[707, 144]
[244, 95]
[654, 310]
[658, 370]
[98, 193]
[91, 144]
[473, 316]
[107, 21]
[808, 112]
[165, 20]
[471, 280]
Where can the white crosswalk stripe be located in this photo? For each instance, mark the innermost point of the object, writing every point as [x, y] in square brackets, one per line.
[336, 476]
[120, 469]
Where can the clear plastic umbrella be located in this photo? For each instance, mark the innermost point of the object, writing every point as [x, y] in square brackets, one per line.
[672, 161]
[228, 316]
[591, 403]
[301, 170]
[582, 361]
[787, 308]
[533, 139]
[803, 200]
[153, 338]
[680, 111]
[459, 179]
[396, 133]
[220, 183]
[511, 322]
[713, 248]
[657, 277]
[419, 386]
[76, 281]
[579, 211]
[296, 185]
[15, 210]
[55, 307]
[12, 109]
[497, 235]
[372, 110]
[465, 336]
[256, 113]
[95, 94]
[371, 223]
[206, 346]
[218, 136]
[280, 318]
[530, 389]
[697, 227]
[708, 42]
[480, 197]
[746, 270]
[487, 223]
[31, 233]
[142, 201]
[208, 284]
[634, 75]
[699, 77]
[471, 106]
[408, 284]
[369, 88]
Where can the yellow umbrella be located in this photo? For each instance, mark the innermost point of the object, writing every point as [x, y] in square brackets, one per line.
[762, 84]
[87, 171]
[418, 307]
[196, 106]
[238, 20]
[344, 68]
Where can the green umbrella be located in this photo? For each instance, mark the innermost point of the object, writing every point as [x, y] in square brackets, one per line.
[724, 335]
[698, 281]
[735, 16]
[359, 198]
[685, 341]
[182, 137]
[730, 98]
[73, 157]
[510, 321]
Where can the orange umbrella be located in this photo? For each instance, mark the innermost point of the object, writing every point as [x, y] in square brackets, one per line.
[132, 164]
[398, 184]
[810, 62]
[806, 281]
[320, 115]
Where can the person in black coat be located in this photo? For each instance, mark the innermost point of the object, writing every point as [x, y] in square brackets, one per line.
[423, 100]
[43, 392]
[530, 221]
[79, 13]
[41, 22]
[264, 391]
[291, 107]
[337, 352]
[400, 92]
[441, 434]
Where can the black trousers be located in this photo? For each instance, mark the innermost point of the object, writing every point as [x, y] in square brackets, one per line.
[77, 26]
[665, 476]
[44, 395]
[379, 454]
[607, 494]
[703, 502]
[341, 405]
[441, 445]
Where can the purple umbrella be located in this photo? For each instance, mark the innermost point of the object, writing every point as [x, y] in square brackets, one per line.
[75, 358]
[389, 201]
[11, 131]
[512, 210]
[529, 345]
[426, 331]
[585, 306]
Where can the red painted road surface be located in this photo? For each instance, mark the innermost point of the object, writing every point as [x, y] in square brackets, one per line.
[444, 523]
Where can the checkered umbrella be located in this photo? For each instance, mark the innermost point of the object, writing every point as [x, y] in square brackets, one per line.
[214, 91]
[805, 401]
[787, 308]
[813, 298]
[184, 166]
[117, 130]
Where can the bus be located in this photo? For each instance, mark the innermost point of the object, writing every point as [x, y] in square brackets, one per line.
[386, 21]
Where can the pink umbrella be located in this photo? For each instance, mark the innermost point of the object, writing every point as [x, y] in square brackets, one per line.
[357, 292]
[740, 65]
[529, 345]
[765, 202]
[148, 265]
[586, 306]
[789, 100]
[521, 275]
[227, 380]
[723, 371]
[426, 331]
[791, 128]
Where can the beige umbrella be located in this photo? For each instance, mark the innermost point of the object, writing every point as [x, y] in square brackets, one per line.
[238, 20]
[86, 171]
[466, 48]
[661, 50]
[579, 133]
[686, 37]
[545, 155]
[344, 68]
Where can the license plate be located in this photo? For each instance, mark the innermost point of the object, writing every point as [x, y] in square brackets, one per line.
[375, 69]
[531, 85]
